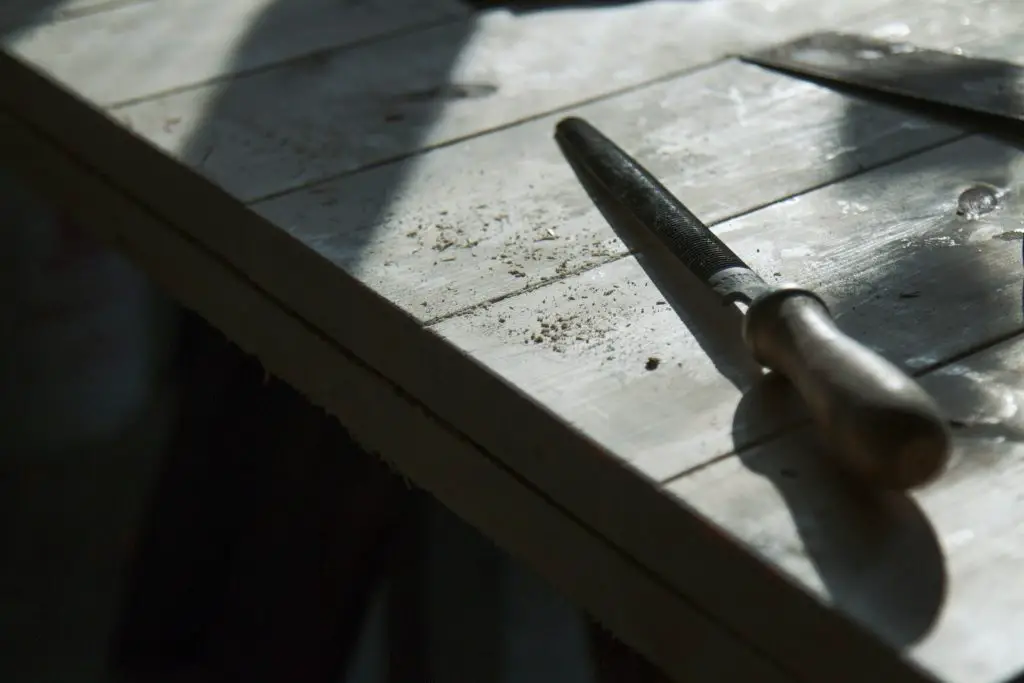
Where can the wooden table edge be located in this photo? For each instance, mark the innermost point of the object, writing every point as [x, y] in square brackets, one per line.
[704, 565]
[576, 558]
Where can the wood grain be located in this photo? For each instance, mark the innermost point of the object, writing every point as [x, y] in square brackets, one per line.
[143, 48]
[274, 131]
[647, 613]
[504, 212]
[935, 575]
[886, 245]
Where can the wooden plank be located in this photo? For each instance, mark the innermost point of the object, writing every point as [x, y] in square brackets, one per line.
[581, 346]
[935, 574]
[145, 48]
[642, 610]
[455, 228]
[291, 126]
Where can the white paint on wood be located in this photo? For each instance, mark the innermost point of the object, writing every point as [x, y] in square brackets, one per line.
[936, 574]
[145, 48]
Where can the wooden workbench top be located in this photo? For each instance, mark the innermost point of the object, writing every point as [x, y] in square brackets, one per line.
[367, 196]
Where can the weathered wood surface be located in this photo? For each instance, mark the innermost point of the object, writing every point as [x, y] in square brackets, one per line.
[340, 110]
[144, 48]
[582, 345]
[902, 270]
[937, 574]
[43, 32]
[504, 212]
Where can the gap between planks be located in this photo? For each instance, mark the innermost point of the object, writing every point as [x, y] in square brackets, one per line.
[483, 305]
[320, 54]
[340, 114]
[288, 188]
[225, 39]
[451, 142]
[857, 22]
[786, 431]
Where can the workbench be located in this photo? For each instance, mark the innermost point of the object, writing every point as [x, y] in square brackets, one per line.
[366, 195]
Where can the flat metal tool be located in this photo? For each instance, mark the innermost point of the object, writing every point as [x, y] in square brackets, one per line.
[962, 82]
[878, 422]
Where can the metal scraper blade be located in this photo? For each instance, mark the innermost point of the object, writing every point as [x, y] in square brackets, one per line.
[985, 86]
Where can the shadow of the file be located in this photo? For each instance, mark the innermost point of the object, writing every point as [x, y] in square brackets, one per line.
[876, 553]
